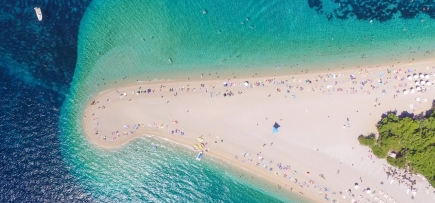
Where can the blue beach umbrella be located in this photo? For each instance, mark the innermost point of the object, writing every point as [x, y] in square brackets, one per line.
[275, 128]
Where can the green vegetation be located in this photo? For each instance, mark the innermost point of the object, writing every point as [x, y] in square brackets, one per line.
[367, 140]
[412, 139]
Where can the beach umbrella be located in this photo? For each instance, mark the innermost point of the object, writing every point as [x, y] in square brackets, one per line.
[417, 83]
[426, 76]
[421, 75]
[368, 190]
[356, 186]
[275, 128]
[405, 91]
[415, 75]
[412, 90]
[418, 88]
[409, 77]
[246, 83]
[428, 83]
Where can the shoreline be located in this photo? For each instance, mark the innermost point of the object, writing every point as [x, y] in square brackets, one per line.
[304, 146]
[254, 71]
[235, 167]
[218, 157]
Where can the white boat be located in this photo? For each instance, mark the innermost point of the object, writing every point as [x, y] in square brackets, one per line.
[198, 158]
[38, 13]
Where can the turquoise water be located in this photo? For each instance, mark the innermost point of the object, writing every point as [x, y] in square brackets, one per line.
[241, 36]
[126, 41]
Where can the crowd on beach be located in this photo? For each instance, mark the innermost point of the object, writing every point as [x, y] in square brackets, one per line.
[402, 177]
[361, 83]
[302, 180]
[294, 85]
[288, 173]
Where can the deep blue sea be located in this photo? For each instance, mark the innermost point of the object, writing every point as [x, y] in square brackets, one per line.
[37, 62]
[50, 69]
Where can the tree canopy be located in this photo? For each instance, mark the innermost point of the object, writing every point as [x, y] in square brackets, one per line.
[413, 139]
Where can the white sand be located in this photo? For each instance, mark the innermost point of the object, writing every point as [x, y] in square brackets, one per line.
[311, 137]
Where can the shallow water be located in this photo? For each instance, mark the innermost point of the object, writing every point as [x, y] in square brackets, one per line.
[170, 39]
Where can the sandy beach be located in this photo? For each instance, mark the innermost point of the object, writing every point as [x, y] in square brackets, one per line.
[315, 152]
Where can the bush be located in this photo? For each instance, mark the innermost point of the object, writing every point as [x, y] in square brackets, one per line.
[367, 140]
[379, 151]
[399, 162]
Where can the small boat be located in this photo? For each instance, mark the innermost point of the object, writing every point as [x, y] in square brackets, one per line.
[38, 13]
[198, 158]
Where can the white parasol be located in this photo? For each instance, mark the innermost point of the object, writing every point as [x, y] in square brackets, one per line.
[421, 75]
[415, 76]
[417, 83]
[426, 76]
[409, 77]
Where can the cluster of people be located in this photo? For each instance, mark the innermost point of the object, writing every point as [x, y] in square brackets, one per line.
[288, 174]
[177, 132]
[402, 177]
